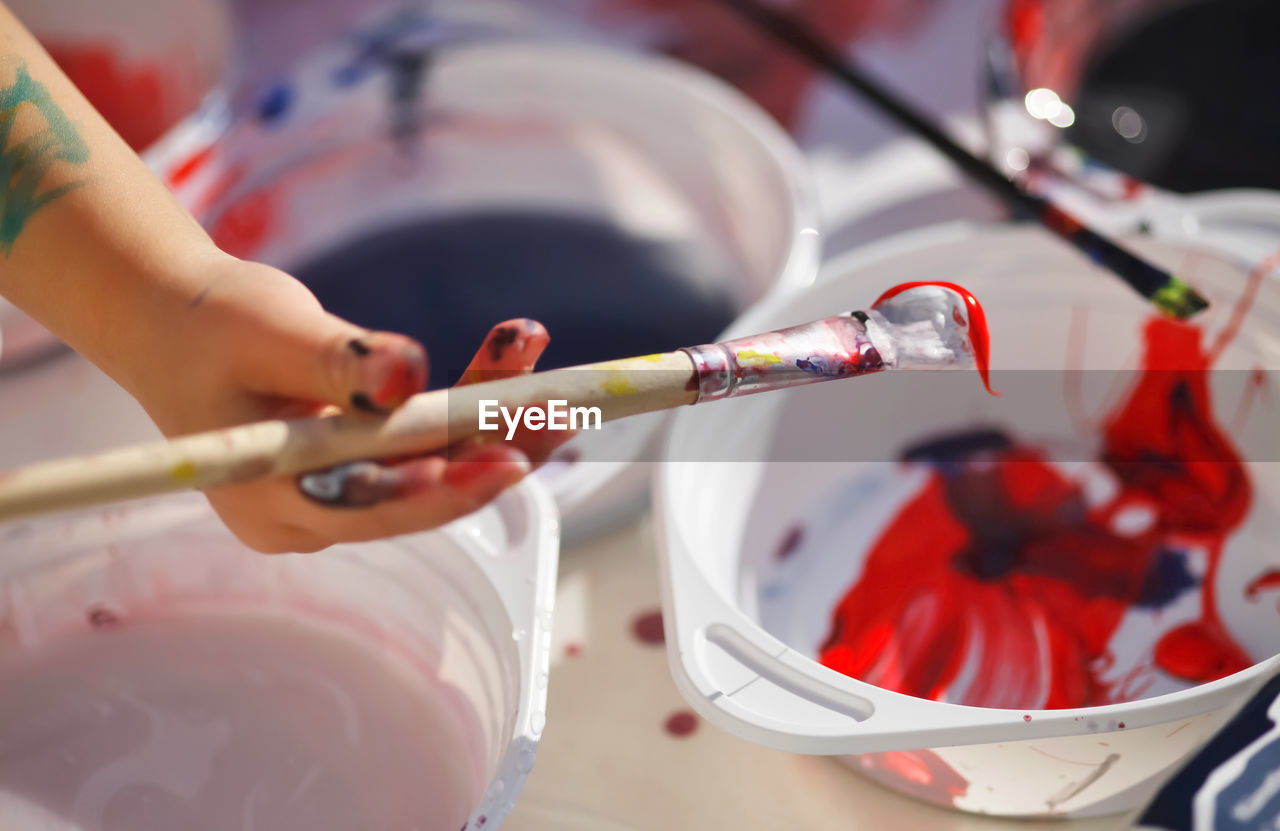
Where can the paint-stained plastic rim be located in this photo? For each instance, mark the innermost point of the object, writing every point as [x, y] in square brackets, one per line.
[710, 636]
[522, 575]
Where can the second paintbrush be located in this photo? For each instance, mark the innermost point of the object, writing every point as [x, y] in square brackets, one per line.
[1165, 291]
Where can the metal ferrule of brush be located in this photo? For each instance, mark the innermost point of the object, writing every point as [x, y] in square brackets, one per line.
[835, 347]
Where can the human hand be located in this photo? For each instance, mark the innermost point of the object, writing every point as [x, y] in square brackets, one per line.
[255, 344]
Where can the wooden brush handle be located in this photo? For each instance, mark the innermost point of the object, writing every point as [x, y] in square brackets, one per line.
[428, 421]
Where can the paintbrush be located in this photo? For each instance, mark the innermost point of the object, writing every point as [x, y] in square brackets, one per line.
[1166, 292]
[913, 326]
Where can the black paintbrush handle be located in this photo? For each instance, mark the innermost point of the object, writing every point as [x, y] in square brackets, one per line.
[1164, 290]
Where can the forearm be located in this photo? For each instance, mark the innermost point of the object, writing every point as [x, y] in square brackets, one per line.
[91, 243]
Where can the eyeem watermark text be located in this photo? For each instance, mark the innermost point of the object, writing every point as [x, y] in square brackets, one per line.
[557, 415]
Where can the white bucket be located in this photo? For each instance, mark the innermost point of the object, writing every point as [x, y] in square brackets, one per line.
[457, 619]
[771, 507]
[143, 66]
[661, 153]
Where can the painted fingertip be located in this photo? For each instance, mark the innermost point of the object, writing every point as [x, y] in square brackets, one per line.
[515, 335]
[383, 370]
[361, 401]
[405, 376]
[500, 340]
[356, 485]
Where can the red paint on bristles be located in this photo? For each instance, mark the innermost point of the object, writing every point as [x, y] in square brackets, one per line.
[979, 336]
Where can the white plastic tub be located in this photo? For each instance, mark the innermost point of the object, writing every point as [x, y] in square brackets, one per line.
[769, 506]
[462, 614]
[659, 151]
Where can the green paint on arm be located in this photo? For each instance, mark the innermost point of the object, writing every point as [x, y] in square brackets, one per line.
[25, 164]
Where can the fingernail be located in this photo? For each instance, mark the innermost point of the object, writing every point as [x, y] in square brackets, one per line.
[355, 485]
[389, 369]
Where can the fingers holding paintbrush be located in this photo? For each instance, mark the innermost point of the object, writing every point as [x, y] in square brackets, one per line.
[919, 326]
[417, 491]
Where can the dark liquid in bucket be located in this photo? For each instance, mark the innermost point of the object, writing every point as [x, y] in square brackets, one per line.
[1186, 100]
[601, 293]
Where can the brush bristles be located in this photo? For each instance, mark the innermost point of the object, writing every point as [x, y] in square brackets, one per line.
[1178, 300]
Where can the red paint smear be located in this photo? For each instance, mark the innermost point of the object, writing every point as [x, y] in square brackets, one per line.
[1025, 22]
[979, 337]
[1266, 582]
[101, 616]
[790, 543]
[405, 377]
[1061, 222]
[1254, 282]
[647, 627]
[919, 773]
[185, 169]
[573, 650]
[681, 723]
[244, 226]
[1257, 381]
[131, 97]
[1017, 567]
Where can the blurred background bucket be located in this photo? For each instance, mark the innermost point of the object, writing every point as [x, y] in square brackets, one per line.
[1073, 627]
[1174, 93]
[161, 675]
[143, 67]
[433, 188]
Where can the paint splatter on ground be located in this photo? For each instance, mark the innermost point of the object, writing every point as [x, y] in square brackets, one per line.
[647, 627]
[682, 723]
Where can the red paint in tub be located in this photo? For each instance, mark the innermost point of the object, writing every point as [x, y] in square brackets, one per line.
[140, 99]
[1020, 571]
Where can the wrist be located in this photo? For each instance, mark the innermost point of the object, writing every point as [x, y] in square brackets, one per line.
[152, 335]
